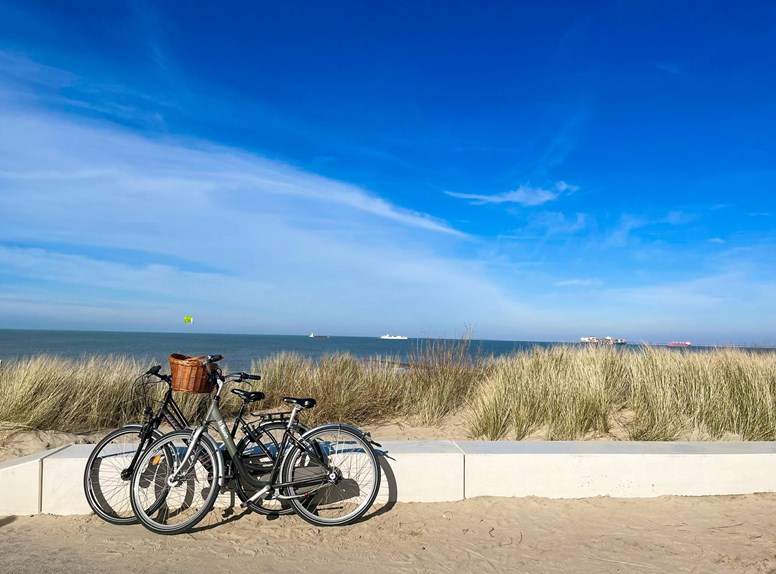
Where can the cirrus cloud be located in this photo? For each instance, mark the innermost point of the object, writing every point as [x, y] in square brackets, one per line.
[525, 195]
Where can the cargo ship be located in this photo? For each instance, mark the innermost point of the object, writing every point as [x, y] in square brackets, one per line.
[603, 341]
[680, 344]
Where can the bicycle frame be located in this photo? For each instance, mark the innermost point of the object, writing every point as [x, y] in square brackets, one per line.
[168, 411]
[214, 417]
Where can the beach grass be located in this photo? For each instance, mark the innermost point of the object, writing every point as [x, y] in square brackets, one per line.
[650, 393]
[568, 392]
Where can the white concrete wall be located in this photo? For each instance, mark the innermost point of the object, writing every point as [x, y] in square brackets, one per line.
[619, 469]
[421, 471]
[62, 483]
[20, 483]
[436, 471]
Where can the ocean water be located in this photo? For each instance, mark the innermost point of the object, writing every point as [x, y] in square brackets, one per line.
[238, 350]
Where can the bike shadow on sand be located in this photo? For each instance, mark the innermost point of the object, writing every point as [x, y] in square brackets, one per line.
[384, 503]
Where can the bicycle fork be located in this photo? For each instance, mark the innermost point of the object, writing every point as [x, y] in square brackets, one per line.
[173, 479]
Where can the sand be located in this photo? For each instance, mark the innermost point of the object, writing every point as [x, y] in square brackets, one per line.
[668, 534]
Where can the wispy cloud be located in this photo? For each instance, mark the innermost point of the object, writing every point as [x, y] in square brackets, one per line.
[556, 223]
[620, 236]
[279, 247]
[579, 283]
[51, 156]
[524, 195]
[564, 141]
[16, 68]
[30, 82]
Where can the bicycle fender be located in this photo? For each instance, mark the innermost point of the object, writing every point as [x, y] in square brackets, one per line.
[336, 426]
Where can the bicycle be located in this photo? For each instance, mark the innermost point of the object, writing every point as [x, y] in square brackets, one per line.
[328, 474]
[112, 461]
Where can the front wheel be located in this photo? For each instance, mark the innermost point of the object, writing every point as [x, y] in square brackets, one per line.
[335, 478]
[107, 473]
[176, 493]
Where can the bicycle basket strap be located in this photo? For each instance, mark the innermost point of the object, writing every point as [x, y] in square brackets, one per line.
[189, 375]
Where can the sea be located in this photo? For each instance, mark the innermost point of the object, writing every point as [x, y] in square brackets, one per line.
[238, 350]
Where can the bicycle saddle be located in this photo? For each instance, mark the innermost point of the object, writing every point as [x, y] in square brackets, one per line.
[304, 403]
[248, 396]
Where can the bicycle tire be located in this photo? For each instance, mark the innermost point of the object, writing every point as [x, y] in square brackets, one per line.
[175, 508]
[259, 463]
[338, 500]
[106, 490]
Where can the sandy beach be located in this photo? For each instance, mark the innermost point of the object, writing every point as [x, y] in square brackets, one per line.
[668, 534]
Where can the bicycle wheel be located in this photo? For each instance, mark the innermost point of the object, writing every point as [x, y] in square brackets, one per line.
[107, 474]
[259, 462]
[175, 505]
[338, 486]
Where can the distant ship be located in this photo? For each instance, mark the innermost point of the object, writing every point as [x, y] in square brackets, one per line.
[314, 336]
[394, 337]
[680, 344]
[603, 340]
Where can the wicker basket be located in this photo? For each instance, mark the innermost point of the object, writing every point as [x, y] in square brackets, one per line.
[189, 375]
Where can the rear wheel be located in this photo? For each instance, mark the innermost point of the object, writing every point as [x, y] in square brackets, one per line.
[176, 497]
[337, 476]
[107, 474]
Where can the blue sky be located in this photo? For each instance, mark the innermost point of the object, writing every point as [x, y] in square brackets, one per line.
[531, 170]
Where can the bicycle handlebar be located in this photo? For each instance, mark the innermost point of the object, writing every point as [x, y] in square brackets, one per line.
[213, 359]
[155, 372]
[243, 376]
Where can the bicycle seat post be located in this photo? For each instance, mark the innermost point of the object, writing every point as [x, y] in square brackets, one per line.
[292, 418]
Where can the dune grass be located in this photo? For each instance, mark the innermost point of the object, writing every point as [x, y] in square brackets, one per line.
[560, 393]
[576, 392]
[562, 389]
[436, 381]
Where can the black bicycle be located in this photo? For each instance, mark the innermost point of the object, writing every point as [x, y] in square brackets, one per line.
[110, 466]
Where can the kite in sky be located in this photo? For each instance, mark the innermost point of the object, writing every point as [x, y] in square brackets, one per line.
[188, 319]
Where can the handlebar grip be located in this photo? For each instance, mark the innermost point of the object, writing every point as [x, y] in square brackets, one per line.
[251, 377]
[154, 370]
[214, 358]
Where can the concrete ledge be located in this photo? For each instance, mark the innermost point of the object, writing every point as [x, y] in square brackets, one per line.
[20, 483]
[421, 471]
[437, 471]
[62, 483]
[618, 469]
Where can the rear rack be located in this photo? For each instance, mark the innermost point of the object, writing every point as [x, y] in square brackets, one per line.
[266, 417]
